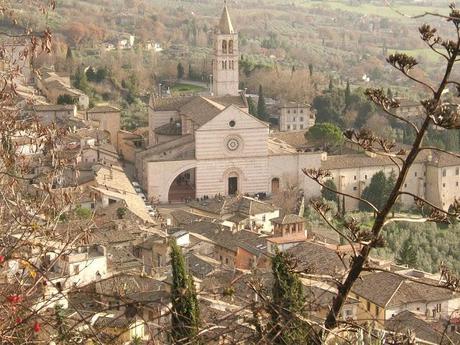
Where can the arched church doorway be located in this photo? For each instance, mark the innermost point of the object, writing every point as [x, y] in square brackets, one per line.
[183, 187]
[275, 185]
[232, 185]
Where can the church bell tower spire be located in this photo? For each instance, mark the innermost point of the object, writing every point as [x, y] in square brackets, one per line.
[226, 57]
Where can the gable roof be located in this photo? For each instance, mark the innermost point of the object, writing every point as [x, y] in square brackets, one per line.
[225, 23]
[288, 219]
[407, 320]
[387, 289]
[317, 258]
[103, 109]
[200, 110]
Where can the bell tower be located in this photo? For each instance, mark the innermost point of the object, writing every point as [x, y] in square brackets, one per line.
[226, 58]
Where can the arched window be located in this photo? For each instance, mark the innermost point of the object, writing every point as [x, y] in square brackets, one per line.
[223, 65]
[275, 185]
[224, 46]
[230, 47]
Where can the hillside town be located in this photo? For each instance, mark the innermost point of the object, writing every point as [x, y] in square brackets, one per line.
[230, 190]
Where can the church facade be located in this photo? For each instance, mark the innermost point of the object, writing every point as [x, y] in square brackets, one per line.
[210, 145]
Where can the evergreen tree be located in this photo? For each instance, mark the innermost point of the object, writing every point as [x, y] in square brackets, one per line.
[252, 107]
[80, 81]
[91, 74]
[407, 255]
[261, 106]
[347, 95]
[331, 85]
[69, 55]
[310, 69]
[327, 194]
[190, 72]
[180, 71]
[288, 304]
[375, 192]
[185, 310]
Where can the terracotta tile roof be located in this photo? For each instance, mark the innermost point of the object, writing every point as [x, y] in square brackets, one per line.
[386, 289]
[103, 109]
[444, 160]
[317, 258]
[171, 103]
[225, 205]
[201, 110]
[350, 161]
[238, 101]
[288, 219]
[406, 320]
[294, 139]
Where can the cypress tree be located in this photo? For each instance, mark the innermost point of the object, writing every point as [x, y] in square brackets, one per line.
[407, 255]
[185, 312]
[310, 69]
[261, 106]
[327, 194]
[288, 304]
[180, 71]
[252, 107]
[375, 193]
[347, 95]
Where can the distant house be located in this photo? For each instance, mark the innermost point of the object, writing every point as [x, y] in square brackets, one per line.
[296, 117]
[383, 295]
[53, 84]
[288, 231]
[106, 118]
[238, 212]
[50, 113]
[243, 249]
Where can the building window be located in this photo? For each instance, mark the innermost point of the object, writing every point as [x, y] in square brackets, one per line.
[263, 218]
[295, 111]
[456, 183]
[301, 111]
[230, 47]
[354, 177]
[355, 188]
[288, 127]
[301, 126]
[301, 119]
[415, 174]
[294, 127]
[405, 185]
[444, 173]
[365, 177]
[224, 46]
[293, 118]
[223, 65]
[377, 311]
[438, 307]
[221, 258]
[288, 111]
[443, 185]
[457, 171]
[368, 306]
[226, 261]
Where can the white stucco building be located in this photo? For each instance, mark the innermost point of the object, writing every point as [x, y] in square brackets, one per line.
[207, 146]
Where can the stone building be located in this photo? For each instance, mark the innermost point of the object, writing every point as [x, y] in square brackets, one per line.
[296, 117]
[433, 176]
[207, 146]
